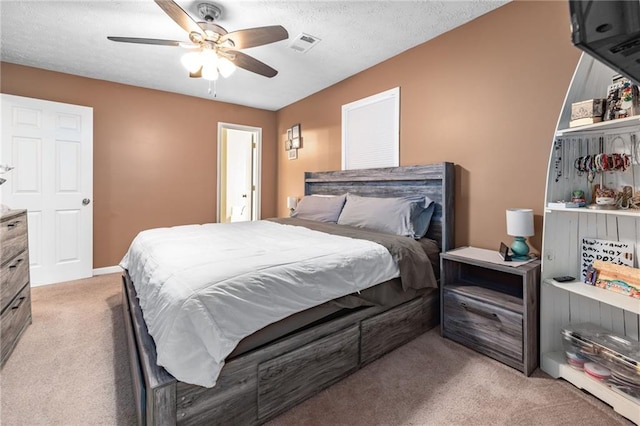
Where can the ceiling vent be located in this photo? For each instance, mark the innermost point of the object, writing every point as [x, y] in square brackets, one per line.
[304, 42]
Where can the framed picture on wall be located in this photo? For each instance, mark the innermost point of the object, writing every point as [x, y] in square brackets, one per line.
[295, 143]
[287, 145]
[295, 132]
[292, 154]
[289, 134]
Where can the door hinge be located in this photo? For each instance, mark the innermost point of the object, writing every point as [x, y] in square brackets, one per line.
[254, 145]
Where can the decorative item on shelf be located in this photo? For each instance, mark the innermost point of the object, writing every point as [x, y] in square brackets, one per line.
[592, 249]
[587, 112]
[520, 226]
[619, 278]
[604, 198]
[623, 99]
[562, 204]
[577, 197]
[292, 203]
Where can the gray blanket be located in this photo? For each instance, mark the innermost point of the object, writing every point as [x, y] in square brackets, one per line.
[416, 270]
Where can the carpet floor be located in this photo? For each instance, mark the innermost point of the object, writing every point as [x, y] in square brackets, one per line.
[71, 368]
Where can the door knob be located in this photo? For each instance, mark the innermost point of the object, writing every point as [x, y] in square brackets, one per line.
[244, 195]
[86, 201]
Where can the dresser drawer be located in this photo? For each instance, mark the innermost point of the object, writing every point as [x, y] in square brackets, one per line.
[13, 236]
[13, 276]
[484, 326]
[13, 322]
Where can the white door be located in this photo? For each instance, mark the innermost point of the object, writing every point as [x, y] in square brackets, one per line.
[238, 172]
[50, 146]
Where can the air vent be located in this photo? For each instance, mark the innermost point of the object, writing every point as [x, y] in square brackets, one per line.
[304, 42]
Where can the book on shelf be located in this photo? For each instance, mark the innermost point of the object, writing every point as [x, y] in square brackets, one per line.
[584, 121]
[562, 205]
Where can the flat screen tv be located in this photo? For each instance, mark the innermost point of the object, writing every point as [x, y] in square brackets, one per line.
[610, 32]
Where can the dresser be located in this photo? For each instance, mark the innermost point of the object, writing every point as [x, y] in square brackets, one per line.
[15, 291]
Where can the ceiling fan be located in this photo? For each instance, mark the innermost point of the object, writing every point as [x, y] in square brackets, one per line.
[214, 50]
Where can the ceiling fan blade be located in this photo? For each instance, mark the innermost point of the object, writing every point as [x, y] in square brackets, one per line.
[181, 17]
[145, 41]
[197, 74]
[252, 37]
[249, 63]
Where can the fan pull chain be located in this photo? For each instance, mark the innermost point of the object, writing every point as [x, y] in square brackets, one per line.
[215, 88]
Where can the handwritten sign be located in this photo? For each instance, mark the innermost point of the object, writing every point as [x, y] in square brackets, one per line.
[615, 252]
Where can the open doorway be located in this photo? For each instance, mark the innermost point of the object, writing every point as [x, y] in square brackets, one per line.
[239, 156]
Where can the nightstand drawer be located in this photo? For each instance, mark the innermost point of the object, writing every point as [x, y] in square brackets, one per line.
[13, 276]
[483, 326]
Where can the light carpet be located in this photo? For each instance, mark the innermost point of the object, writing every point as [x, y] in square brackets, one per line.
[71, 368]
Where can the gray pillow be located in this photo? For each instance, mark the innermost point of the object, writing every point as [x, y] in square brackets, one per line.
[321, 209]
[422, 219]
[406, 216]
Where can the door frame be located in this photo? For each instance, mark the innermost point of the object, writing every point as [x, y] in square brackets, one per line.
[257, 169]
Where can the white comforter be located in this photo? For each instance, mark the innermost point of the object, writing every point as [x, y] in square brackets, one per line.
[203, 288]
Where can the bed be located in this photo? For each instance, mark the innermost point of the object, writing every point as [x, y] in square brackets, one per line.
[266, 375]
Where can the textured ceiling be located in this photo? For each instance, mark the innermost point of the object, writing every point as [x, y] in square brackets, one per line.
[71, 37]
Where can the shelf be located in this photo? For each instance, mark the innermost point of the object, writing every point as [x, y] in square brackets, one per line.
[554, 363]
[595, 211]
[602, 126]
[609, 297]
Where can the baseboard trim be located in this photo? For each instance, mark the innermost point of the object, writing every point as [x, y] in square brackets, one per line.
[106, 270]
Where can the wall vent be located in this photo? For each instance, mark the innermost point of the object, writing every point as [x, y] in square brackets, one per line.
[304, 42]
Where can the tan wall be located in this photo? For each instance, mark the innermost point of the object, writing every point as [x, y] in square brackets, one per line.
[154, 153]
[485, 96]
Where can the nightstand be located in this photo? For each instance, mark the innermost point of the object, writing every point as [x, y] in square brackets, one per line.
[491, 306]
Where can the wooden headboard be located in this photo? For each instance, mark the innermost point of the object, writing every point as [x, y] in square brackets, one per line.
[433, 180]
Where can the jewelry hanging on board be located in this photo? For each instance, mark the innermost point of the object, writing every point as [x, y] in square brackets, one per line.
[558, 161]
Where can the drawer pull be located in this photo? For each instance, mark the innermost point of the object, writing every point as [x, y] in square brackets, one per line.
[20, 300]
[15, 265]
[490, 315]
[13, 224]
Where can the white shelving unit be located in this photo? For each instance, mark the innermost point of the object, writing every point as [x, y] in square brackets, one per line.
[575, 302]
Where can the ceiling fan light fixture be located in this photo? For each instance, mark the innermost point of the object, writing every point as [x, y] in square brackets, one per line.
[209, 73]
[226, 67]
[192, 61]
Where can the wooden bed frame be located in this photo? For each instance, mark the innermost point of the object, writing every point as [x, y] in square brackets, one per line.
[257, 386]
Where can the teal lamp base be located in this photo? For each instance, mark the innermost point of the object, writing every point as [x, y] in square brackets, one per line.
[520, 249]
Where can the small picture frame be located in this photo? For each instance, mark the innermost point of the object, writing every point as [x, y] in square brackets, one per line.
[504, 252]
[295, 131]
[287, 145]
[292, 154]
[295, 143]
[289, 134]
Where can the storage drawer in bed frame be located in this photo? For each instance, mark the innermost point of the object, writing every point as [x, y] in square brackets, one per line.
[257, 386]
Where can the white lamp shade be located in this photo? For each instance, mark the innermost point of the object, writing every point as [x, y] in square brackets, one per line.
[292, 202]
[520, 222]
[209, 73]
[191, 61]
[226, 67]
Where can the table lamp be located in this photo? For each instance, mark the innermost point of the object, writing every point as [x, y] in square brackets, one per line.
[520, 226]
[292, 203]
